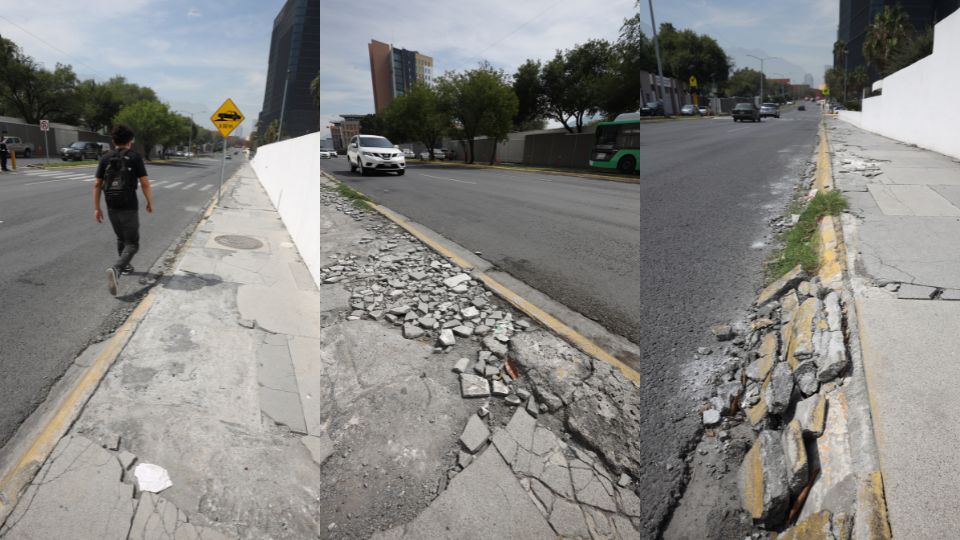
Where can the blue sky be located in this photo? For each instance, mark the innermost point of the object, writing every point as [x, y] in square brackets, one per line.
[195, 54]
[507, 32]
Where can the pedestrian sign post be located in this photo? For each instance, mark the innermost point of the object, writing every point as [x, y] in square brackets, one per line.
[45, 127]
[226, 118]
[693, 84]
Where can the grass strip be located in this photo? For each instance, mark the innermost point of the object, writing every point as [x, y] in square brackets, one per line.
[359, 199]
[66, 164]
[800, 241]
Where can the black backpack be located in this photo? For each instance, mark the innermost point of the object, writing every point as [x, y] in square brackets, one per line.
[119, 182]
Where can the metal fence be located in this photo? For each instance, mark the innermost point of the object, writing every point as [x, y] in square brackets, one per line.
[558, 150]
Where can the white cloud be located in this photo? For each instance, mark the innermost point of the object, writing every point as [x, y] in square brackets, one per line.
[194, 13]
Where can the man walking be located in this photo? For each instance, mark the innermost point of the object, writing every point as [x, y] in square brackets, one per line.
[4, 152]
[117, 176]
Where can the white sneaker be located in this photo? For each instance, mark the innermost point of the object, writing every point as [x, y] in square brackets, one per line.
[112, 283]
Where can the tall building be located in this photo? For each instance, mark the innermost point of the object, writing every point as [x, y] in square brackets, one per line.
[393, 71]
[341, 131]
[856, 16]
[808, 79]
[293, 63]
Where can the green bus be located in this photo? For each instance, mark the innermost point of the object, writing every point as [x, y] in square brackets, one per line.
[617, 144]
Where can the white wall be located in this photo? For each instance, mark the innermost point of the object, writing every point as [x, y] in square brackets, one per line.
[290, 174]
[919, 103]
[853, 117]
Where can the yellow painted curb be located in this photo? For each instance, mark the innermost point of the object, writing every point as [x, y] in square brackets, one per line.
[569, 334]
[831, 254]
[824, 177]
[30, 462]
[871, 495]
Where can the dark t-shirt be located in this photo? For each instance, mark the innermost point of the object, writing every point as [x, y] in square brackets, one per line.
[136, 165]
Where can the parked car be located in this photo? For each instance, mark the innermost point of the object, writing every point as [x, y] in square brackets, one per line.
[652, 108]
[438, 153]
[81, 150]
[746, 111]
[769, 109]
[370, 153]
[15, 144]
[801, 107]
[704, 110]
[408, 153]
[689, 110]
[327, 154]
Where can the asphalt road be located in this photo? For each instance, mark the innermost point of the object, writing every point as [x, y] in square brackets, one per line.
[573, 239]
[53, 289]
[657, 262]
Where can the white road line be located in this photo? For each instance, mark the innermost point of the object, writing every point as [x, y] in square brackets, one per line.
[450, 179]
[188, 186]
[46, 181]
[736, 129]
[157, 183]
[173, 185]
[206, 187]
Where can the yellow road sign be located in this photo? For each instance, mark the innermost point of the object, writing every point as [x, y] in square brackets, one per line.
[227, 117]
[693, 81]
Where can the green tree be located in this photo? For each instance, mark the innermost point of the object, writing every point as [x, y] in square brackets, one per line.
[102, 101]
[917, 46]
[499, 117]
[33, 93]
[744, 82]
[573, 82]
[472, 99]
[888, 32]
[685, 53]
[419, 116]
[839, 54]
[270, 135]
[372, 124]
[150, 120]
[530, 98]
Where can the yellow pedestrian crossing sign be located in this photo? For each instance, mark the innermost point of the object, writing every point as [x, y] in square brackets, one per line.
[693, 81]
[227, 117]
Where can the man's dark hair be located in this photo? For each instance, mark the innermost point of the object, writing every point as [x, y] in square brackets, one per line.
[121, 134]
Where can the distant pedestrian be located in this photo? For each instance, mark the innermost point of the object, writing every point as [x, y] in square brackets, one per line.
[4, 153]
[117, 176]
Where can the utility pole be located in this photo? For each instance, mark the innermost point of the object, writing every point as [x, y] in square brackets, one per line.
[656, 48]
[762, 76]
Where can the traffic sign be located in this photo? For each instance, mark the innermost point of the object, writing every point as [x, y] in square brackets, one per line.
[44, 125]
[227, 117]
[693, 81]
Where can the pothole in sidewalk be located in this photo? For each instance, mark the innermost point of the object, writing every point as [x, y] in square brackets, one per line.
[237, 241]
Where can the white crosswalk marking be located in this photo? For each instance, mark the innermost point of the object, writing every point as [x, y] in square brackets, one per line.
[188, 186]
[173, 185]
[206, 187]
[157, 183]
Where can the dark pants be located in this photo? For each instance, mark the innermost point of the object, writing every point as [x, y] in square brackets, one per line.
[3, 161]
[126, 225]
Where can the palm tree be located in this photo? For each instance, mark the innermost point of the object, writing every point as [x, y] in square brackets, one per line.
[315, 89]
[839, 54]
[888, 32]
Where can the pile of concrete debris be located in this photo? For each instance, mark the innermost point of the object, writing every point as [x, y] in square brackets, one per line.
[791, 389]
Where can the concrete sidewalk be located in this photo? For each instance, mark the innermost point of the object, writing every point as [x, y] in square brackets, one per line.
[903, 245]
[281, 409]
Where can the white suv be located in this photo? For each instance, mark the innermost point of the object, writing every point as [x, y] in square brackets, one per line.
[374, 153]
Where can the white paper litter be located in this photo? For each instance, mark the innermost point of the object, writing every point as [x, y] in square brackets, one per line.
[152, 478]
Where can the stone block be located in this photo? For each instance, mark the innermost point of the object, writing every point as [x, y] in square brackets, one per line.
[814, 527]
[778, 287]
[723, 332]
[811, 413]
[473, 386]
[759, 368]
[475, 434]
[763, 480]
[780, 389]
[805, 376]
[800, 345]
[908, 291]
[796, 457]
[461, 365]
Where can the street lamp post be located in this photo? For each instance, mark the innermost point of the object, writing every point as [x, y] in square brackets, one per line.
[656, 48]
[761, 70]
[190, 136]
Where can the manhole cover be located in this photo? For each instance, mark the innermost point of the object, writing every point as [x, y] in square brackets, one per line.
[236, 241]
